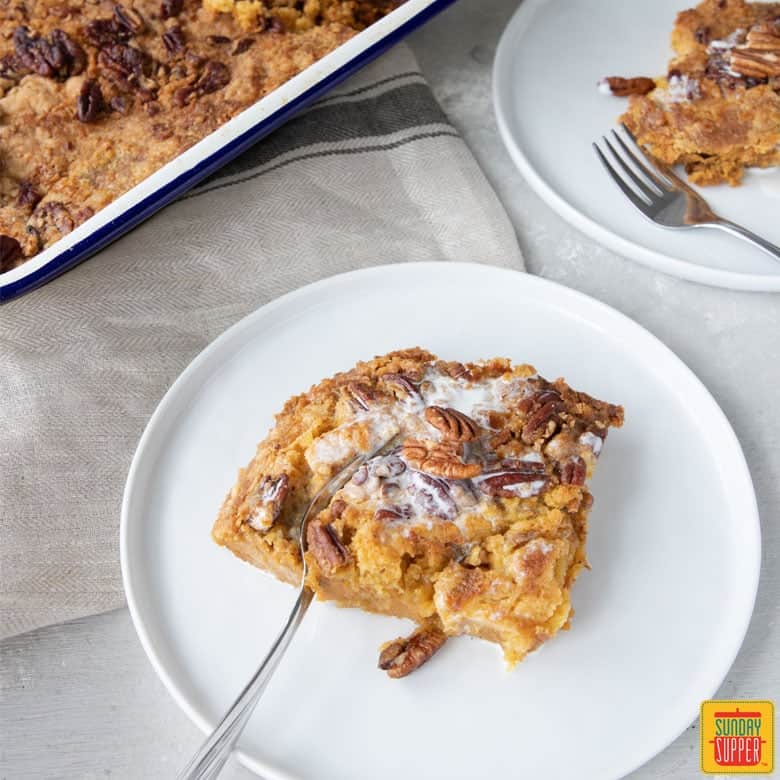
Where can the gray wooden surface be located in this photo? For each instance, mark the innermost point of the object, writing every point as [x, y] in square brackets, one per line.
[81, 701]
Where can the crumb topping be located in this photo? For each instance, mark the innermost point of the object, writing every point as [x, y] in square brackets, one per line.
[443, 472]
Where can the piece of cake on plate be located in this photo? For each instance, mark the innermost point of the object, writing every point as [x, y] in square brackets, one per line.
[717, 110]
[474, 524]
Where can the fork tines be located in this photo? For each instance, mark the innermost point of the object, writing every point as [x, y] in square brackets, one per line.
[659, 193]
[642, 184]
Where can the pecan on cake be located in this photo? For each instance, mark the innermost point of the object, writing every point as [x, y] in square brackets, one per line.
[95, 97]
[476, 522]
[717, 111]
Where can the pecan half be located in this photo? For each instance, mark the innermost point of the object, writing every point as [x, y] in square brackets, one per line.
[764, 36]
[542, 419]
[326, 547]
[457, 370]
[759, 56]
[361, 394]
[390, 490]
[272, 491]
[573, 471]
[620, 87]
[10, 252]
[173, 40]
[405, 654]
[28, 196]
[442, 459]
[515, 478]
[452, 424]
[171, 8]
[126, 62]
[337, 508]
[389, 514]
[129, 18]
[755, 64]
[90, 104]
[388, 466]
[403, 381]
[182, 96]
[433, 495]
[104, 32]
[75, 57]
[56, 56]
[215, 76]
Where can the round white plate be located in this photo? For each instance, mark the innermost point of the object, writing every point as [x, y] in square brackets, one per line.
[549, 112]
[674, 546]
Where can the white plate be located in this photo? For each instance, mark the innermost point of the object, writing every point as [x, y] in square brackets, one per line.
[549, 112]
[674, 546]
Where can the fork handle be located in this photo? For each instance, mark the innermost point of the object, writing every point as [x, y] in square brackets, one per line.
[215, 751]
[748, 235]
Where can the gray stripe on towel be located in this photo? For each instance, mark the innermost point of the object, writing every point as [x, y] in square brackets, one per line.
[216, 184]
[404, 107]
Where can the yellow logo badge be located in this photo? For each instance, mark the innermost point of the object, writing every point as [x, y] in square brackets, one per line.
[737, 737]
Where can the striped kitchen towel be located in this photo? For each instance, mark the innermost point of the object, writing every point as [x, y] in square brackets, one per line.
[373, 173]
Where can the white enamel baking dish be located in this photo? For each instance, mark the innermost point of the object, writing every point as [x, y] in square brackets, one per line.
[218, 148]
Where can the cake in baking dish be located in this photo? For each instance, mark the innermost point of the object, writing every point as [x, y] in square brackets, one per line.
[95, 97]
[717, 110]
[474, 524]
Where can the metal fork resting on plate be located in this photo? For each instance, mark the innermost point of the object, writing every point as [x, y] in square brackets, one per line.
[215, 751]
[661, 195]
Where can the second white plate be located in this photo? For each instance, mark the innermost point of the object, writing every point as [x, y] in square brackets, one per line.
[549, 111]
[674, 546]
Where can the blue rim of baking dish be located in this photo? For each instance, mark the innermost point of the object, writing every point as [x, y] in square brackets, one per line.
[144, 208]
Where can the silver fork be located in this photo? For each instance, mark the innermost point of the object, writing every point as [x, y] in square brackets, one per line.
[215, 751]
[664, 197]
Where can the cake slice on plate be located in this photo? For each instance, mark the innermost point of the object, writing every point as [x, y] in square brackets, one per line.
[475, 524]
[717, 111]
